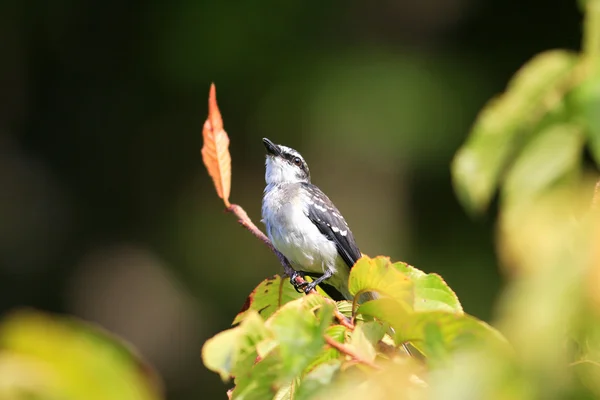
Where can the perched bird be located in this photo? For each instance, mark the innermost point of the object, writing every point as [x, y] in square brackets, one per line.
[304, 225]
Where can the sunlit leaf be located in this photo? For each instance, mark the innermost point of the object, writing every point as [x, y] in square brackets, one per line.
[318, 379]
[395, 381]
[215, 149]
[365, 337]
[345, 307]
[300, 334]
[288, 391]
[387, 310]
[436, 333]
[234, 351]
[430, 290]
[534, 91]
[267, 297]
[337, 333]
[262, 381]
[551, 155]
[379, 275]
[51, 357]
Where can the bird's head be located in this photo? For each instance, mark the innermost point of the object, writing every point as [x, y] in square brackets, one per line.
[284, 165]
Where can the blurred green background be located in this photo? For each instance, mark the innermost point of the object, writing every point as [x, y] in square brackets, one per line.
[107, 213]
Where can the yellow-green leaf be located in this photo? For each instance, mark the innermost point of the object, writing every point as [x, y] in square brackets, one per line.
[267, 297]
[365, 337]
[535, 90]
[234, 351]
[52, 357]
[299, 333]
[431, 291]
[379, 275]
[436, 333]
[551, 154]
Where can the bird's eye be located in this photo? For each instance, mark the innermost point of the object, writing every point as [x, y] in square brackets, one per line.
[297, 161]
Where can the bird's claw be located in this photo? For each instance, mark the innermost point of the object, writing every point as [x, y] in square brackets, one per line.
[309, 287]
[300, 287]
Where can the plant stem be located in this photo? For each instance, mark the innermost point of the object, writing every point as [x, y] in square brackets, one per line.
[247, 223]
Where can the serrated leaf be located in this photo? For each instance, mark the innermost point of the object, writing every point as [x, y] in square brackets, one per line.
[535, 90]
[430, 291]
[267, 297]
[419, 328]
[234, 351]
[300, 334]
[215, 149]
[437, 334]
[52, 357]
[337, 333]
[345, 307]
[550, 155]
[379, 275]
[313, 301]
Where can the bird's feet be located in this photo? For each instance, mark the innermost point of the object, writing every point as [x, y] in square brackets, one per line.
[305, 286]
[300, 287]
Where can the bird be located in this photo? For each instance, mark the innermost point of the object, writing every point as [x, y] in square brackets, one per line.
[304, 225]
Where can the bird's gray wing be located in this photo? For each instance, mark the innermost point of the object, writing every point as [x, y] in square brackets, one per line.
[330, 222]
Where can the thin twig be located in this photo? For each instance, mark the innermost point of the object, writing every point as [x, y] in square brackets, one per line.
[342, 348]
[247, 223]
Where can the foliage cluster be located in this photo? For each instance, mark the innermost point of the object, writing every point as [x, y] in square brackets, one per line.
[414, 341]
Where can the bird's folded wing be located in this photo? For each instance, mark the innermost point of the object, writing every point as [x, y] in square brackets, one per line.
[326, 217]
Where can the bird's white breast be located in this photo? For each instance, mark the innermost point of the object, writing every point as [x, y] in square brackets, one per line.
[293, 234]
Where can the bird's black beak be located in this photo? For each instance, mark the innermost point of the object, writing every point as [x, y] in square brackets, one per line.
[272, 148]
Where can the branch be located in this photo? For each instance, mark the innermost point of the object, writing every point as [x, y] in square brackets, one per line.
[342, 348]
[247, 223]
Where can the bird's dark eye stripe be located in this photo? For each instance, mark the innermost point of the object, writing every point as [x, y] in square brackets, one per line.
[289, 157]
[293, 159]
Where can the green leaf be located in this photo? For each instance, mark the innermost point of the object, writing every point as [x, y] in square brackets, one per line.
[551, 155]
[288, 392]
[365, 337]
[318, 379]
[587, 99]
[50, 357]
[431, 291]
[267, 297]
[345, 307]
[386, 310]
[300, 334]
[337, 333]
[263, 381]
[436, 334]
[379, 275]
[433, 333]
[535, 90]
[234, 351]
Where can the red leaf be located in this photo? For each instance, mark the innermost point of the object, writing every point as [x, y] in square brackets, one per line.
[215, 150]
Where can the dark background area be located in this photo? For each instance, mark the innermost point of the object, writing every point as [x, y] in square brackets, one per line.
[107, 213]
